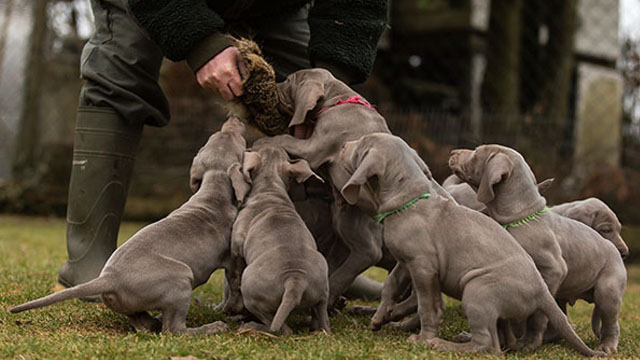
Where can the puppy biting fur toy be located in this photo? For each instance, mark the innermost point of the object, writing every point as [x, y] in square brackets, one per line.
[258, 106]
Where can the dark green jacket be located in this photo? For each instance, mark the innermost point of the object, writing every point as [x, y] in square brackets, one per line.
[343, 32]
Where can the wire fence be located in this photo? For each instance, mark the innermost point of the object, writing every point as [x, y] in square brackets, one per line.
[557, 80]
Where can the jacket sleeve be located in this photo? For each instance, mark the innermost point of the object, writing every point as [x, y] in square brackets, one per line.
[346, 33]
[184, 29]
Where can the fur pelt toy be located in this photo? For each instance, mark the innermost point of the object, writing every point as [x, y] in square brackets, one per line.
[258, 105]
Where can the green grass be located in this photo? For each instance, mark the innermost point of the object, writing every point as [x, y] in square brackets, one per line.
[32, 249]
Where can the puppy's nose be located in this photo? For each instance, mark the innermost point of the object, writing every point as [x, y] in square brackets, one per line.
[624, 254]
[453, 158]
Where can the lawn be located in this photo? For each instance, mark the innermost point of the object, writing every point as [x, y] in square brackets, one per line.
[32, 249]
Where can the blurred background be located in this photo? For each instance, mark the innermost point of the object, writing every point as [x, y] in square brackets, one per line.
[557, 80]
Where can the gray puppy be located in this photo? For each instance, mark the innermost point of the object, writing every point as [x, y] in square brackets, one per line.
[284, 270]
[596, 214]
[463, 193]
[574, 260]
[339, 116]
[592, 212]
[445, 247]
[159, 266]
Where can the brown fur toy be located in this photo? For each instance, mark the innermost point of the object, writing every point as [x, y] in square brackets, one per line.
[258, 106]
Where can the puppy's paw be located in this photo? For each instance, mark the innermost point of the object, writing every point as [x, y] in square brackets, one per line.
[396, 315]
[524, 345]
[361, 310]
[529, 348]
[439, 344]
[233, 306]
[396, 325]
[340, 303]
[401, 325]
[377, 321]
[462, 337]
[215, 327]
[380, 318]
[253, 326]
[607, 348]
[375, 325]
[422, 339]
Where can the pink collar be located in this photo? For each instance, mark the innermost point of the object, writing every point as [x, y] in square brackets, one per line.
[356, 99]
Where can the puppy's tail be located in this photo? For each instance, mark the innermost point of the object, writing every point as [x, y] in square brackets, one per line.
[294, 287]
[559, 321]
[94, 287]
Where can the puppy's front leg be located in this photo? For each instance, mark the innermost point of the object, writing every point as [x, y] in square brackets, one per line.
[363, 238]
[394, 285]
[407, 307]
[312, 149]
[547, 256]
[430, 303]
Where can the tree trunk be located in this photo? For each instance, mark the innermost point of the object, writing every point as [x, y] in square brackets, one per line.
[501, 86]
[8, 10]
[559, 64]
[25, 164]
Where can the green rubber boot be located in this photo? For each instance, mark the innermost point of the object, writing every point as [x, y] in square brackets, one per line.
[103, 156]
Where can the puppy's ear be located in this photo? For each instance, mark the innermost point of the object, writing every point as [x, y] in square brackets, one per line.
[250, 162]
[579, 214]
[497, 169]
[544, 185]
[240, 186]
[371, 165]
[307, 96]
[195, 175]
[300, 170]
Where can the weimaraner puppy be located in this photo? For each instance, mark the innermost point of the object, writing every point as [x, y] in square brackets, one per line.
[592, 211]
[466, 196]
[463, 193]
[159, 266]
[442, 246]
[574, 260]
[284, 269]
[596, 214]
[339, 115]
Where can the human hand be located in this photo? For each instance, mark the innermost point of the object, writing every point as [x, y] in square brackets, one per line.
[223, 73]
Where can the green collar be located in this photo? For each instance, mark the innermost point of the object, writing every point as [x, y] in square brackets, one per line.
[526, 219]
[378, 218]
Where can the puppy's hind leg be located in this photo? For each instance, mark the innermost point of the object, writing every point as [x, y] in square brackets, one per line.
[264, 313]
[608, 299]
[174, 312]
[483, 321]
[321, 317]
[143, 322]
